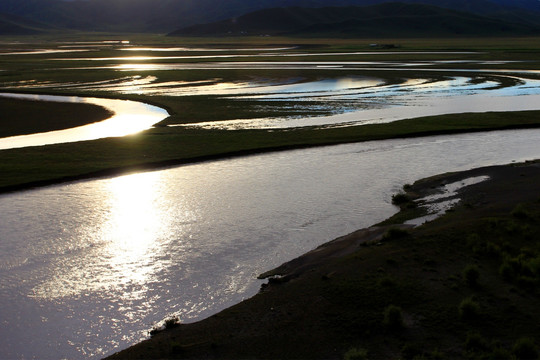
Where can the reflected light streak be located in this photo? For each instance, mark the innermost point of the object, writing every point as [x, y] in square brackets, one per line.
[136, 219]
[130, 117]
[119, 258]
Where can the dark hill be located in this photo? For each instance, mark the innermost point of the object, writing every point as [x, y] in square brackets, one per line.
[15, 25]
[167, 15]
[384, 20]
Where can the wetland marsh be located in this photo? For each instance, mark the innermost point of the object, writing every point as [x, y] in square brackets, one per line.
[110, 258]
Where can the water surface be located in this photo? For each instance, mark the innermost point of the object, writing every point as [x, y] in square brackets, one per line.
[89, 267]
[129, 117]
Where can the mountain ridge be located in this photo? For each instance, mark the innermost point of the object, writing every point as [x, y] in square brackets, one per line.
[164, 16]
[383, 20]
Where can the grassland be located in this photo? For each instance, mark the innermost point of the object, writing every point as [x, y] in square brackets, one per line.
[161, 146]
[22, 117]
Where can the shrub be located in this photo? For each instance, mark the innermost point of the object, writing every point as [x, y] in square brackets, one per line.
[176, 348]
[395, 233]
[386, 282]
[172, 322]
[436, 355]
[471, 274]
[506, 271]
[356, 354]
[475, 342]
[520, 212]
[400, 198]
[393, 317]
[168, 324]
[411, 351]
[469, 309]
[500, 353]
[525, 349]
[534, 265]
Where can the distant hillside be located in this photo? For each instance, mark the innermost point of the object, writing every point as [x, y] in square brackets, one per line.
[168, 15]
[14, 25]
[384, 20]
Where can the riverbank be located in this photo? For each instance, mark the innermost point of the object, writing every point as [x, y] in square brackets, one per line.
[23, 117]
[463, 286]
[160, 147]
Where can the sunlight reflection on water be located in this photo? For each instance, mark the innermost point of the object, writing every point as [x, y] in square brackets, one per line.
[91, 266]
[129, 117]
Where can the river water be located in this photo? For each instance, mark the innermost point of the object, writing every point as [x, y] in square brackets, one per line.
[129, 117]
[89, 267]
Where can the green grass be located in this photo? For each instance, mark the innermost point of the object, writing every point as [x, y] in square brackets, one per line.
[163, 146]
[166, 146]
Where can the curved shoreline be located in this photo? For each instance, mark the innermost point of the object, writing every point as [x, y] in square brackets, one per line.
[301, 293]
[127, 117]
[26, 117]
[117, 171]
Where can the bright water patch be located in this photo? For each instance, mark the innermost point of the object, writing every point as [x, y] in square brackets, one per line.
[129, 117]
[437, 204]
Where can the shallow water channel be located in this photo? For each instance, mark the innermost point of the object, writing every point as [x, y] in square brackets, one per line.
[129, 117]
[89, 267]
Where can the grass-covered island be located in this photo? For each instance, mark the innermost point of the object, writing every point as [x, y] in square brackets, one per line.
[464, 286]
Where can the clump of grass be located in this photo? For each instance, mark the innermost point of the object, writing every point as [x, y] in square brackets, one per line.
[386, 282]
[525, 349]
[475, 343]
[356, 354]
[400, 199]
[393, 317]
[471, 274]
[500, 353]
[469, 309]
[411, 351]
[172, 322]
[169, 323]
[395, 233]
[520, 212]
[176, 348]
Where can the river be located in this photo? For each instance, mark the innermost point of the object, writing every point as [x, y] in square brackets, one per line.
[129, 117]
[89, 267]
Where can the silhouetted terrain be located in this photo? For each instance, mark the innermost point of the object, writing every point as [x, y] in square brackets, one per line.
[15, 25]
[384, 20]
[167, 15]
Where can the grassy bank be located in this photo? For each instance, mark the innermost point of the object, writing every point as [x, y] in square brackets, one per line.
[60, 73]
[465, 286]
[163, 146]
[22, 117]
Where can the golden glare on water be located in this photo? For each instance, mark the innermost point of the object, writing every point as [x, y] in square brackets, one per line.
[135, 222]
[135, 212]
[120, 251]
[130, 117]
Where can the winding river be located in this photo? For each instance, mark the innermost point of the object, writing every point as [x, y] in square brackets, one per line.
[89, 267]
[129, 117]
